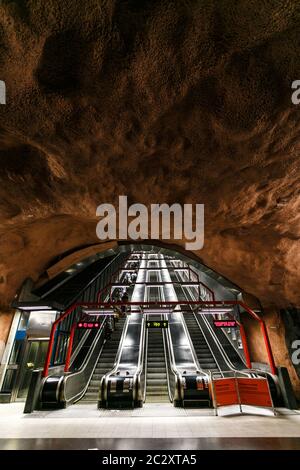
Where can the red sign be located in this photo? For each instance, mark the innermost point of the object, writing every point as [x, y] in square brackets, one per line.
[254, 392]
[88, 325]
[226, 392]
[225, 323]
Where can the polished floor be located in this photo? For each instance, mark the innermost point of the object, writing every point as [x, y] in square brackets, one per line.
[154, 426]
[210, 443]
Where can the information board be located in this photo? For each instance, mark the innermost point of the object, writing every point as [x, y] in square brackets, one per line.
[157, 324]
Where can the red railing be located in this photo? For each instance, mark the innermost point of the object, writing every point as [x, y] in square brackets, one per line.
[166, 304]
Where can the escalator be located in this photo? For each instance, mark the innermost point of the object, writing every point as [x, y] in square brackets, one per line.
[105, 362]
[205, 357]
[93, 360]
[211, 354]
[156, 372]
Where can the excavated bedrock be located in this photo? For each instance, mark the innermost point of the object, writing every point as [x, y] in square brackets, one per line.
[164, 101]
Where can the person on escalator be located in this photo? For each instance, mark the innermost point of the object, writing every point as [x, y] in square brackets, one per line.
[124, 299]
[109, 328]
[133, 277]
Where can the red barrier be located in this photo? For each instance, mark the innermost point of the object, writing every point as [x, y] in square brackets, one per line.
[241, 391]
[225, 392]
[254, 392]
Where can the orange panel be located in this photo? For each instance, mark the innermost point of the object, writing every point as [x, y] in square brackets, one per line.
[225, 392]
[254, 392]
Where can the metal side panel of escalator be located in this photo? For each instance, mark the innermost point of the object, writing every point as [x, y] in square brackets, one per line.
[156, 372]
[59, 390]
[105, 363]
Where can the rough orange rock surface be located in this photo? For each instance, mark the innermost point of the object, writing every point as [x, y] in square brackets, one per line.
[165, 101]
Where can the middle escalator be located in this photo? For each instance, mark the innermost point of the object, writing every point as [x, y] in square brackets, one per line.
[155, 363]
[156, 369]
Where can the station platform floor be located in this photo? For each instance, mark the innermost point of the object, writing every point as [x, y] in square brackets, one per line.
[155, 426]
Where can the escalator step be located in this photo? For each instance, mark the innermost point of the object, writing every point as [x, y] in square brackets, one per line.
[156, 370]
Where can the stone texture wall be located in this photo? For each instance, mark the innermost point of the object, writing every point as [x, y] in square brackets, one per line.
[165, 101]
[5, 323]
[277, 334]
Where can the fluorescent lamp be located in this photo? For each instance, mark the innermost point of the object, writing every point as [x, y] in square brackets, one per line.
[90, 311]
[35, 307]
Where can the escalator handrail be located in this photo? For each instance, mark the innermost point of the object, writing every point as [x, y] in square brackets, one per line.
[61, 379]
[139, 370]
[187, 334]
[218, 344]
[117, 361]
[191, 342]
[215, 338]
[136, 376]
[168, 363]
[82, 368]
[246, 372]
[145, 363]
[79, 346]
[195, 357]
[233, 345]
[175, 371]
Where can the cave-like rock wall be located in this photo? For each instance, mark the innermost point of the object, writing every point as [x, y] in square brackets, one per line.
[163, 101]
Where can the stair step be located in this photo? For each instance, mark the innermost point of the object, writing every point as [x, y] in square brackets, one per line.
[156, 375]
[156, 370]
[91, 395]
[156, 382]
[94, 383]
[97, 377]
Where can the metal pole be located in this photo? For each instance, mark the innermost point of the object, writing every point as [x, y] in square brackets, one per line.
[49, 350]
[51, 339]
[268, 347]
[70, 345]
[245, 345]
[238, 391]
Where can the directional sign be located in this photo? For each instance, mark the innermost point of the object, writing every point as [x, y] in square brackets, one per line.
[88, 325]
[157, 324]
[225, 323]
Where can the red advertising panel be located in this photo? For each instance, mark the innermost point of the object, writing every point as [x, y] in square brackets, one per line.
[225, 392]
[254, 392]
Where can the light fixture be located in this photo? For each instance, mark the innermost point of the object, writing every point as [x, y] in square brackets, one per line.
[35, 307]
[215, 309]
[98, 312]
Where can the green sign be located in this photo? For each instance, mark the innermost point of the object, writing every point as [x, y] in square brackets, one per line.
[157, 324]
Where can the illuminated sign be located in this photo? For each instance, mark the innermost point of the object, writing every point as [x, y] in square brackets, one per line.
[157, 324]
[88, 325]
[225, 323]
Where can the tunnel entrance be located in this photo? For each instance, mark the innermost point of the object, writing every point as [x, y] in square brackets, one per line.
[128, 326]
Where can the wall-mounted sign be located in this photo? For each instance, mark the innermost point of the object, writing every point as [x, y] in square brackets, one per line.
[40, 323]
[157, 324]
[88, 325]
[225, 323]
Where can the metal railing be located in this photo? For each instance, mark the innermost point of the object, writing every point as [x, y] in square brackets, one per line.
[61, 328]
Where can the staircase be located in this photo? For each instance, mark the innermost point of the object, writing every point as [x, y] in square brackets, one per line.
[156, 380]
[204, 355]
[105, 363]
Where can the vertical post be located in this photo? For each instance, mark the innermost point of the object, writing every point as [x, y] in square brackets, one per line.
[52, 336]
[265, 336]
[238, 391]
[49, 351]
[70, 345]
[213, 393]
[268, 347]
[245, 346]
